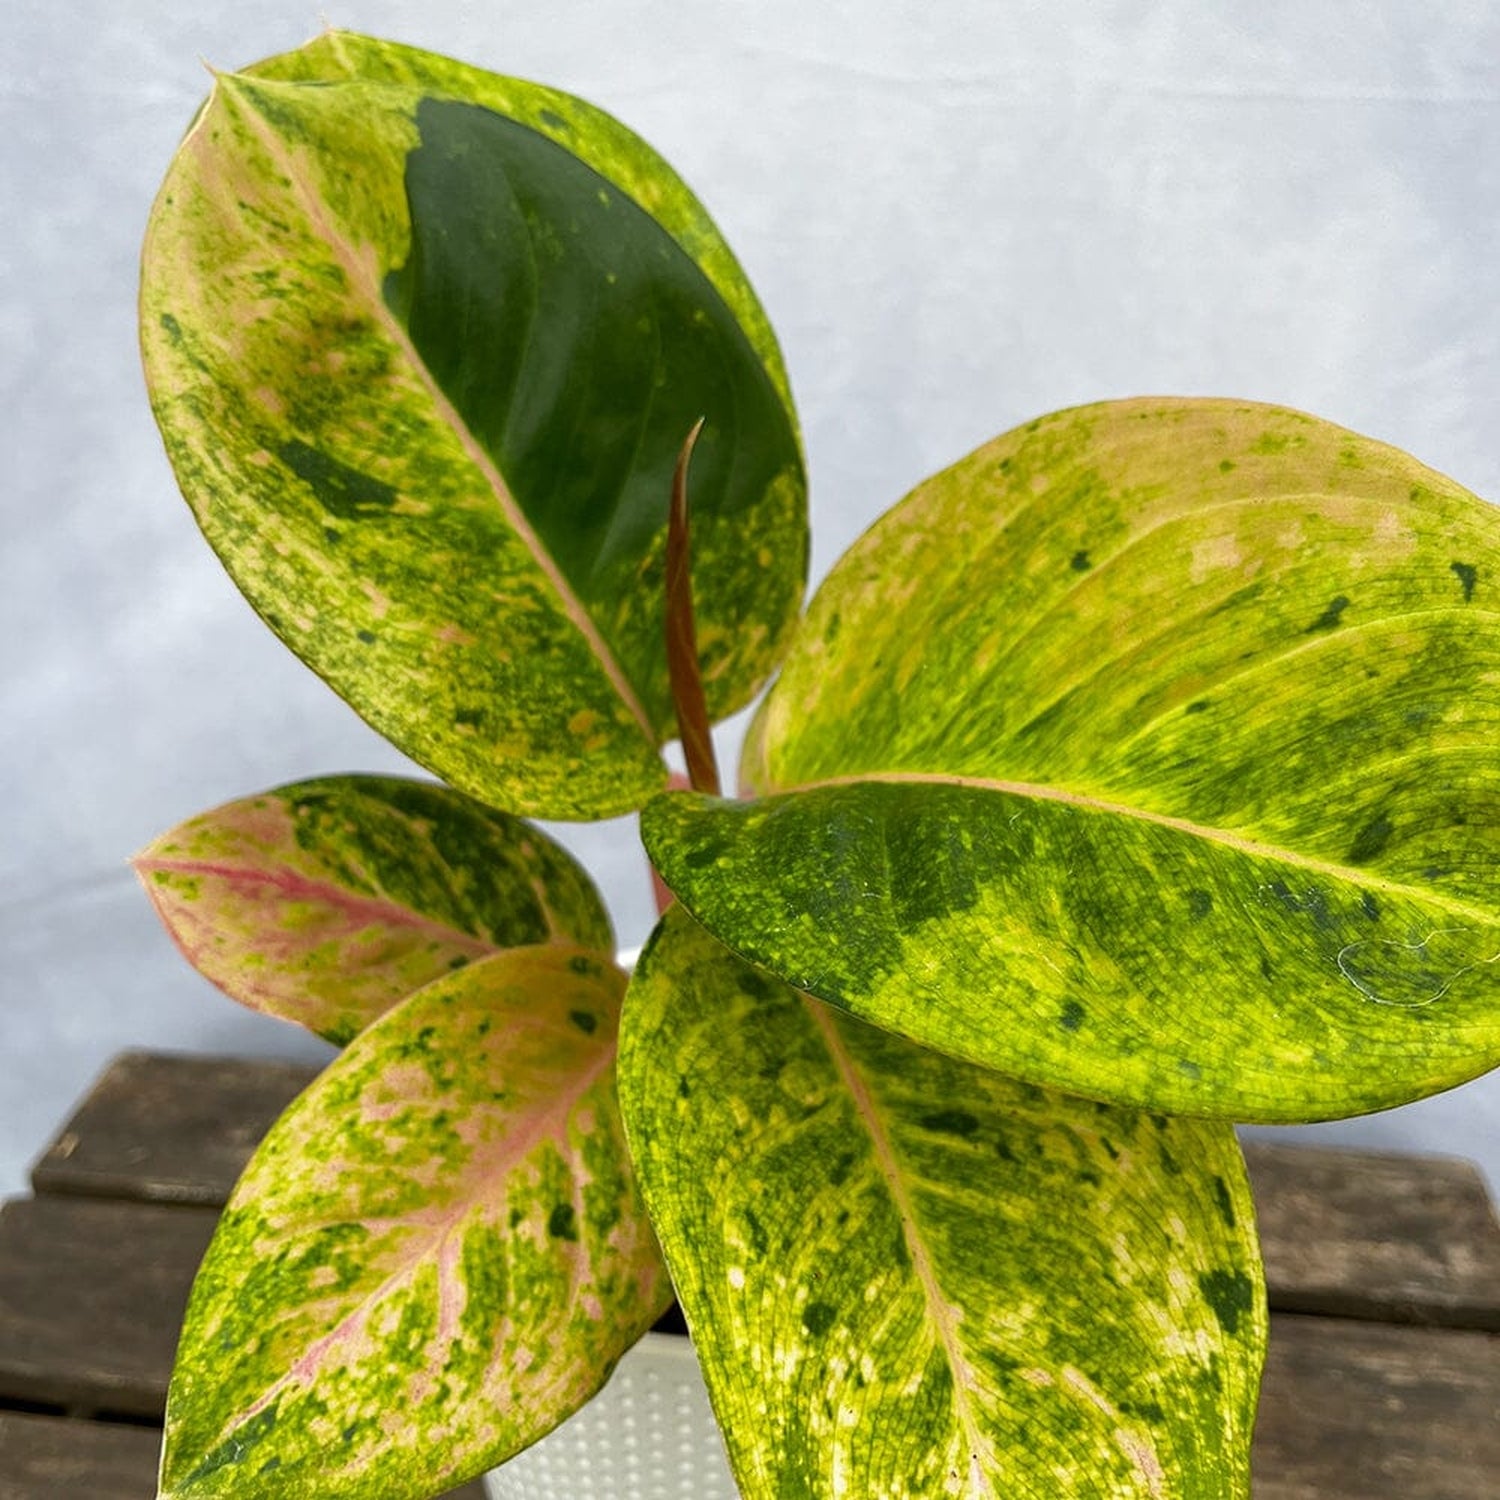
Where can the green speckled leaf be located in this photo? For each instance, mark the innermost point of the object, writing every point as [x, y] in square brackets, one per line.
[325, 902]
[1088, 947]
[906, 1276]
[423, 343]
[1179, 723]
[437, 1253]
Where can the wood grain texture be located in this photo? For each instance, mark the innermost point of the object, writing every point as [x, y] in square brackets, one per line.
[91, 1297]
[1363, 1411]
[45, 1458]
[1398, 1239]
[167, 1128]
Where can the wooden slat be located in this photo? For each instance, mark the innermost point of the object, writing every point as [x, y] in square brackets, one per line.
[92, 1295]
[1368, 1411]
[1410, 1239]
[91, 1291]
[166, 1128]
[50, 1458]
[1346, 1233]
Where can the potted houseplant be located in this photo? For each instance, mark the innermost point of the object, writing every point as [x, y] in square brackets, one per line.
[1130, 778]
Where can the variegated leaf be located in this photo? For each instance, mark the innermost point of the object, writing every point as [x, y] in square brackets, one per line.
[327, 901]
[1084, 946]
[1146, 753]
[593, 136]
[436, 1254]
[423, 343]
[906, 1276]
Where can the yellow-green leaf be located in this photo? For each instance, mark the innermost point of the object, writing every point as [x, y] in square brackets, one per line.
[906, 1276]
[1148, 753]
[1088, 947]
[423, 343]
[327, 901]
[437, 1253]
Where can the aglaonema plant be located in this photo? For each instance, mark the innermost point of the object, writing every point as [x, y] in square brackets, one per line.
[1130, 778]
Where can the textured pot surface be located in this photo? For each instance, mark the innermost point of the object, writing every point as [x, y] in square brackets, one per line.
[648, 1435]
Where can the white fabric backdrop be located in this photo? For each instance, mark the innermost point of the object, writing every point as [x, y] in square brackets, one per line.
[960, 213]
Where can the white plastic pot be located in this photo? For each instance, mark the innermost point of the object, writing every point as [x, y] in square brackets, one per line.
[648, 1435]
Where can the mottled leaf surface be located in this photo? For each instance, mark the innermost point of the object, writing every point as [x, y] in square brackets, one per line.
[1218, 610]
[327, 901]
[423, 344]
[1086, 947]
[1183, 715]
[906, 1276]
[437, 1253]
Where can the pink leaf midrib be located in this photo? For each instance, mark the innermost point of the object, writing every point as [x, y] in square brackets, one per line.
[293, 886]
[442, 1224]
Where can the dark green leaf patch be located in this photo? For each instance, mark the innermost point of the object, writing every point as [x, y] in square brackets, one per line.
[1332, 616]
[341, 491]
[818, 1318]
[957, 1122]
[1371, 840]
[579, 344]
[1223, 1202]
[1231, 1295]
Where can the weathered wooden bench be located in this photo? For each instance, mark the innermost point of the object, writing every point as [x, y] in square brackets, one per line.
[1383, 1381]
